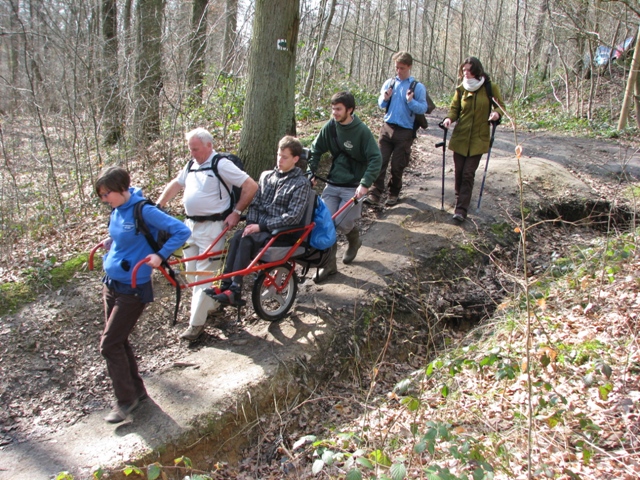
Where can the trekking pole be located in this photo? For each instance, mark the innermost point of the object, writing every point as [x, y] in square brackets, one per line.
[443, 144]
[494, 124]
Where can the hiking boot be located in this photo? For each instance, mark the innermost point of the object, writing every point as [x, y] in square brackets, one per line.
[372, 199]
[330, 269]
[391, 200]
[192, 333]
[458, 217]
[119, 413]
[231, 296]
[353, 237]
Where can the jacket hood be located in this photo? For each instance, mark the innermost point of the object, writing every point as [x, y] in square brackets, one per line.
[353, 125]
[136, 196]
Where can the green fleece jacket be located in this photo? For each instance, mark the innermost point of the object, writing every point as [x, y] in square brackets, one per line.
[471, 109]
[357, 140]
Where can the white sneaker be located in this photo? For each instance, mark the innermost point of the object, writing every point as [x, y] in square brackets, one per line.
[192, 333]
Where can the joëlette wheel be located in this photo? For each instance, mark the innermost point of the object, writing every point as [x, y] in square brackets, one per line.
[274, 292]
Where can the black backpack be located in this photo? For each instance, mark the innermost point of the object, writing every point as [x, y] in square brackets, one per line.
[233, 192]
[419, 120]
[156, 245]
[141, 227]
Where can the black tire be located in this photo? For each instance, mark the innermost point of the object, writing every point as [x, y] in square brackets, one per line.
[267, 302]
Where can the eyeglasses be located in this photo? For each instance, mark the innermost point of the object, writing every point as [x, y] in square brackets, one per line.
[105, 194]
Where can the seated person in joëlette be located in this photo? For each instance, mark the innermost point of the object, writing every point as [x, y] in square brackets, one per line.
[279, 203]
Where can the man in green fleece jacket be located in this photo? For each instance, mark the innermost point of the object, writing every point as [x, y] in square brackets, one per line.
[356, 164]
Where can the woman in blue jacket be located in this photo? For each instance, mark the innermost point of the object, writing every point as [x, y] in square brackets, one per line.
[123, 304]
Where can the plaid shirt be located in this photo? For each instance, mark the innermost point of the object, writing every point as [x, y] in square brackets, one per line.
[280, 201]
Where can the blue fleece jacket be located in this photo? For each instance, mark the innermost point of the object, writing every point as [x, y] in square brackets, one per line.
[129, 247]
[401, 112]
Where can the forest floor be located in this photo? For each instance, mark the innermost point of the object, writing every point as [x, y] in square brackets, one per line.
[53, 378]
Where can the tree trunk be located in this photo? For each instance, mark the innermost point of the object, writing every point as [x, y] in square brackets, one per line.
[14, 54]
[514, 70]
[631, 84]
[353, 45]
[269, 105]
[339, 53]
[539, 32]
[637, 97]
[127, 16]
[319, 47]
[148, 70]
[198, 44]
[230, 34]
[446, 42]
[112, 126]
[432, 43]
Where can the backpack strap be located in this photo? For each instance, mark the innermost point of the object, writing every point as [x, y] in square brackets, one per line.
[142, 227]
[214, 167]
[333, 128]
[392, 85]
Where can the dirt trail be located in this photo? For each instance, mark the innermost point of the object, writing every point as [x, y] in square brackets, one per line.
[53, 386]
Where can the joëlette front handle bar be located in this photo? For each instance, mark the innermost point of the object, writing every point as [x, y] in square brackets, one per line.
[92, 253]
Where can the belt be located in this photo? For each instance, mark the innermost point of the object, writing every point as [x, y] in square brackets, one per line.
[218, 217]
[394, 126]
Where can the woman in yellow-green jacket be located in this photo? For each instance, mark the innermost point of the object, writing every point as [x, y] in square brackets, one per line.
[472, 108]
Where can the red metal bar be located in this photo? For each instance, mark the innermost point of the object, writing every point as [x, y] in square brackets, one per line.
[254, 266]
[92, 253]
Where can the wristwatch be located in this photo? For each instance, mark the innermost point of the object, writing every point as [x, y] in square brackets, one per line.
[239, 212]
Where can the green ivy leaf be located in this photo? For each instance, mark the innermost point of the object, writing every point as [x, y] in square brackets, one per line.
[129, 469]
[429, 370]
[398, 471]
[353, 474]
[153, 471]
[183, 459]
[380, 458]
[605, 390]
[364, 462]
[445, 391]
[420, 447]
[545, 360]
[553, 420]
[478, 474]
[98, 473]
[411, 403]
